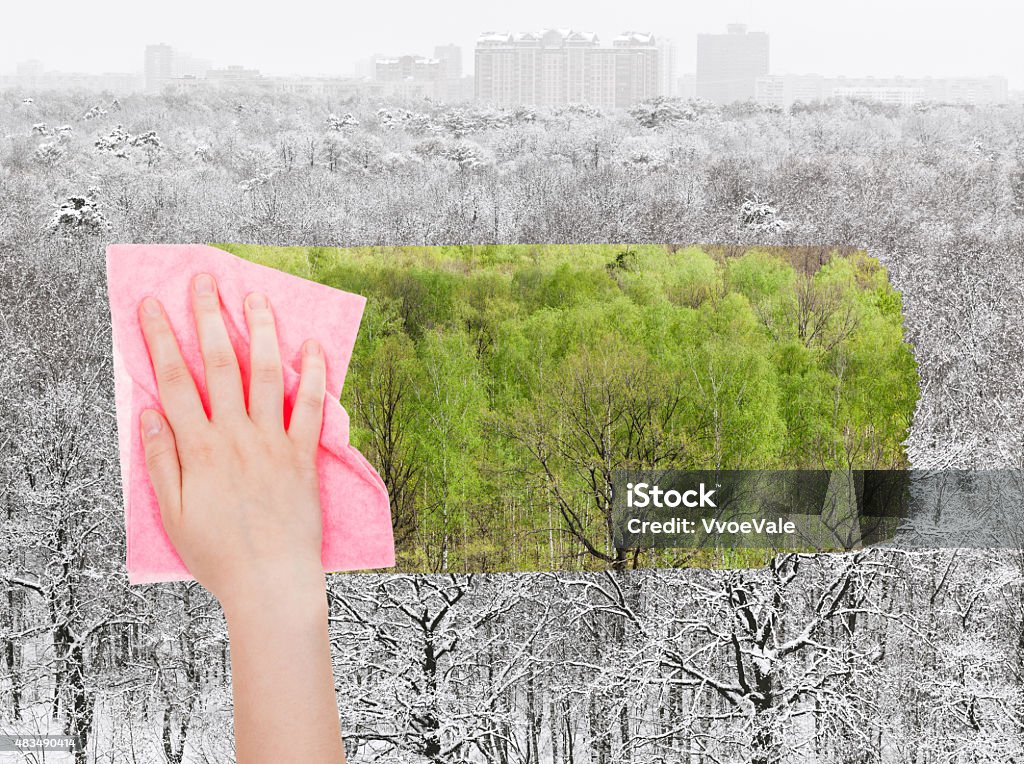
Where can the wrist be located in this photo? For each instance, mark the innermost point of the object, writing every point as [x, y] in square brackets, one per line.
[277, 592]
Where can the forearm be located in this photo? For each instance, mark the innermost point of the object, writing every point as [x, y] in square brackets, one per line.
[240, 499]
[285, 708]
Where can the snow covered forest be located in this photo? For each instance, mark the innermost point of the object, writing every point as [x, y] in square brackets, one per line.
[863, 658]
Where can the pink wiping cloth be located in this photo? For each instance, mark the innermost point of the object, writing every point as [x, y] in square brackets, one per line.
[356, 514]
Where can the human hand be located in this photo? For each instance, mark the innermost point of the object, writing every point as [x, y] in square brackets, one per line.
[238, 492]
[240, 498]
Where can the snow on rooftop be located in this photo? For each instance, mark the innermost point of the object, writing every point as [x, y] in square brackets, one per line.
[644, 38]
[566, 34]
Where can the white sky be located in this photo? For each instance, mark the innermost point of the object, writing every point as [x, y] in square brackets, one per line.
[869, 37]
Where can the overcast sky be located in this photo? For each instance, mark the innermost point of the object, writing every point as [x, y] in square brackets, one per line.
[869, 37]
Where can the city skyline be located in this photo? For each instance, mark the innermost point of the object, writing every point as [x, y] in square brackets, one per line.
[912, 39]
[549, 67]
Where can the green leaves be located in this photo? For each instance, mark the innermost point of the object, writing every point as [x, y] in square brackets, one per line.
[497, 388]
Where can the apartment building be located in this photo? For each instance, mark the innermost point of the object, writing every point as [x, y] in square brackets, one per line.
[556, 67]
[728, 65]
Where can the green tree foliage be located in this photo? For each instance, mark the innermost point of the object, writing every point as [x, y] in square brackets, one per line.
[497, 389]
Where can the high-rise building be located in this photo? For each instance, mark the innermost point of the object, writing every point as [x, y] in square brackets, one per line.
[408, 68]
[457, 87]
[556, 67]
[411, 77]
[187, 66]
[159, 66]
[668, 75]
[450, 57]
[686, 87]
[729, 64]
[638, 67]
[163, 64]
[367, 67]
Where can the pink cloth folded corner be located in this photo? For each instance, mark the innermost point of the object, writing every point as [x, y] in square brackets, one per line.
[357, 531]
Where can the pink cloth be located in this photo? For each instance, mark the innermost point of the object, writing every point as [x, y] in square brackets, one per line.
[356, 514]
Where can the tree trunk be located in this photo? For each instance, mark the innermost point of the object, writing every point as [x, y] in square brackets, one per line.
[532, 721]
[11, 661]
[81, 707]
[553, 726]
[624, 733]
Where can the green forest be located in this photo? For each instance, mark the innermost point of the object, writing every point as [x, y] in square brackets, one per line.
[497, 388]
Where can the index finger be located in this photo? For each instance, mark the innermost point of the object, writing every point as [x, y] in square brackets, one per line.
[178, 394]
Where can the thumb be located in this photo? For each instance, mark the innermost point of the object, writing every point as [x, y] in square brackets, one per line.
[162, 463]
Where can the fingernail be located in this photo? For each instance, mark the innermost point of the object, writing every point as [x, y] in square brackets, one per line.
[151, 307]
[256, 301]
[204, 284]
[152, 423]
[311, 347]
